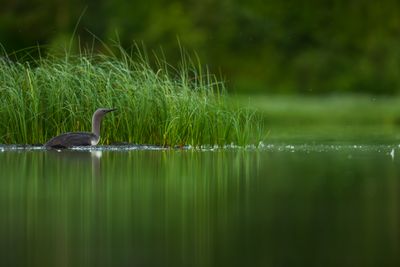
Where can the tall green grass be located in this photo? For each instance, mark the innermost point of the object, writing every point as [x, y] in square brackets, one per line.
[158, 104]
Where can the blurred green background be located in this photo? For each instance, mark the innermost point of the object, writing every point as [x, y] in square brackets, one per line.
[259, 46]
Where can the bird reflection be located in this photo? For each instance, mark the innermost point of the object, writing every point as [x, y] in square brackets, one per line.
[78, 160]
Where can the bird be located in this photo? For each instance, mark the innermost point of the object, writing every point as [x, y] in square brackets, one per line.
[71, 139]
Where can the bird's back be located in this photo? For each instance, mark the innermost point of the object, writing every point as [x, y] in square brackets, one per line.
[67, 140]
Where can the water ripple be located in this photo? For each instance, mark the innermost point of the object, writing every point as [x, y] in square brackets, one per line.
[260, 147]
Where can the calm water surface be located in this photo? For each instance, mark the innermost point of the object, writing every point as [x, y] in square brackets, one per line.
[282, 205]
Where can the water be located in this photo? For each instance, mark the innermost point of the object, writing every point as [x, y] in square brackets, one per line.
[278, 205]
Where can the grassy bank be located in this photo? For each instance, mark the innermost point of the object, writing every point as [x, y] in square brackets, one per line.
[333, 119]
[326, 109]
[157, 105]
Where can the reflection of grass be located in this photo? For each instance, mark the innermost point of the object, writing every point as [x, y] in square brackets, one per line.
[161, 105]
[330, 118]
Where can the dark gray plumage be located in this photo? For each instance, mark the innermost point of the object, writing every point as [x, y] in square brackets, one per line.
[67, 140]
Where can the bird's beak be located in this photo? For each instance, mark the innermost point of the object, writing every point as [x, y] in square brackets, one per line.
[112, 109]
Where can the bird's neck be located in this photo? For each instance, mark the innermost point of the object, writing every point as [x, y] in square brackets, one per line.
[96, 121]
[94, 140]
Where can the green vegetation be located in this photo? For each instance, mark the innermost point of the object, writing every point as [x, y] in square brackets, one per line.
[328, 119]
[159, 105]
[277, 46]
[356, 110]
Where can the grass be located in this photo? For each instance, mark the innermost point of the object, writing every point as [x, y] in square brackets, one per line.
[326, 109]
[158, 105]
[328, 119]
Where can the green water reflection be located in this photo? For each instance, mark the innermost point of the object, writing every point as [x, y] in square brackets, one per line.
[199, 208]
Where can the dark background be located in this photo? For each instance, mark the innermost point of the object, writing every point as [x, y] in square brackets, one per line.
[258, 46]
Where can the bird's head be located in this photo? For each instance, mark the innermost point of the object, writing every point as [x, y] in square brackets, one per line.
[103, 111]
